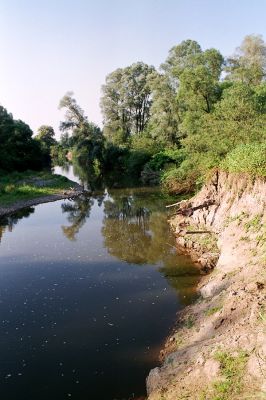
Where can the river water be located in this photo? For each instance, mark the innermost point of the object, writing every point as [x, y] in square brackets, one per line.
[89, 289]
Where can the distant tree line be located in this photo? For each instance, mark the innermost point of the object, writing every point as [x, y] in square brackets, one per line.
[176, 124]
[197, 112]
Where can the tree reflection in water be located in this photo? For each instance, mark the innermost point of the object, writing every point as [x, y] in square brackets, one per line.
[78, 211]
[9, 221]
[136, 231]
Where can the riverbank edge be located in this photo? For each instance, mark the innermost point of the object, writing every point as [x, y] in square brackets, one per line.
[70, 189]
[4, 211]
[218, 348]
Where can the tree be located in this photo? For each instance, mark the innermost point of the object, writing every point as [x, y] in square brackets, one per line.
[18, 150]
[165, 118]
[180, 57]
[126, 101]
[237, 119]
[46, 136]
[248, 64]
[86, 137]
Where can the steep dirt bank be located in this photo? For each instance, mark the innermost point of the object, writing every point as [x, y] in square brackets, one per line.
[218, 350]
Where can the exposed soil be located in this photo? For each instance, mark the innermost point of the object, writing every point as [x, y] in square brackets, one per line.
[218, 349]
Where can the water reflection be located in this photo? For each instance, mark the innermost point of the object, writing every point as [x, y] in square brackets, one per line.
[78, 278]
[78, 211]
[8, 222]
[136, 234]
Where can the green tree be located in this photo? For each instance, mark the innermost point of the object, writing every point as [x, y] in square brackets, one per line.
[126, 101]
[46, 137]
[19, 150]
[180, 57]
[86, 137]
[248, 64]
[165, 119]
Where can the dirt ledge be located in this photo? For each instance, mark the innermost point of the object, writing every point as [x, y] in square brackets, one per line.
[218, 350]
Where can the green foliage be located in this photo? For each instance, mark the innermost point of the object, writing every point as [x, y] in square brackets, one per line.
[166, 157]
[189, 322]
[126, 101]
[213, 310]
[28, 185]
[249, 63]
[18, 150]
[183, 179]
[248, 158]
[85, 141]
[232, 369]
[46, 137]
[254, 224]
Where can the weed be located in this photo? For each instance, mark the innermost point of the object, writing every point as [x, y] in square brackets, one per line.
[245, 238]
[262, 315]
[254, 224]
[239, 218]
[190, 322]
[213, 310]
[232, 370]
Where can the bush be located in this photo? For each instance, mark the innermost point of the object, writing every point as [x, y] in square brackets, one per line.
[249, 158]
[181, 180]
[168, 156]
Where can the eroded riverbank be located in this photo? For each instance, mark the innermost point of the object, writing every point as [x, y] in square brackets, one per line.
[218, 350]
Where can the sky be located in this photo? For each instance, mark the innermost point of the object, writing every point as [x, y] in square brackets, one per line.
[49, 47]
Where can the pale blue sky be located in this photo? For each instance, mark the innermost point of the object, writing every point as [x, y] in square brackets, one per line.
[50, 47]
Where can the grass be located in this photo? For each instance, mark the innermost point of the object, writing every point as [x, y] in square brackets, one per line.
[207, 241]
[239, 218]
[189, 322]
[16, 186]
[232, 370]
[254, 224]
[230, 384]
[212, 310]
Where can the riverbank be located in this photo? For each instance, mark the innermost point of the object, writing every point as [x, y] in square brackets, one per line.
[218, 349]
[20, 190]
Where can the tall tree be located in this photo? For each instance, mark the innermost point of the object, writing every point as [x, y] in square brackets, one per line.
[87, 139]
[46, 136]
[126, 101]
[165, 119]
[18, 149]
[248, 64]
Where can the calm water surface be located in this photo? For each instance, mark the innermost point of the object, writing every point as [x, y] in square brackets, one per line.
[89, 290]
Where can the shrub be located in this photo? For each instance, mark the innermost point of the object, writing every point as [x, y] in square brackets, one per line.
[249, 158]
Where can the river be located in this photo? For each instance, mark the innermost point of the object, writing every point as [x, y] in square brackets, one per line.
[89, 289]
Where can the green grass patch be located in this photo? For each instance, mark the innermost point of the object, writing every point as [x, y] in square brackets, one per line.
[254, 224]
[232, 370]
[189, 322]
[239, 218]
[16, 186]
[212, 310]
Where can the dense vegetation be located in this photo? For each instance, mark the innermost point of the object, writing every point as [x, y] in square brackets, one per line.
[18, 150]
[198, 112]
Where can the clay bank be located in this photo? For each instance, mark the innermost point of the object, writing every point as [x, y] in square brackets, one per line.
[218, 349]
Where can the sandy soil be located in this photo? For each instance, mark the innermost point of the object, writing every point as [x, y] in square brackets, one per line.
[218, 349]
